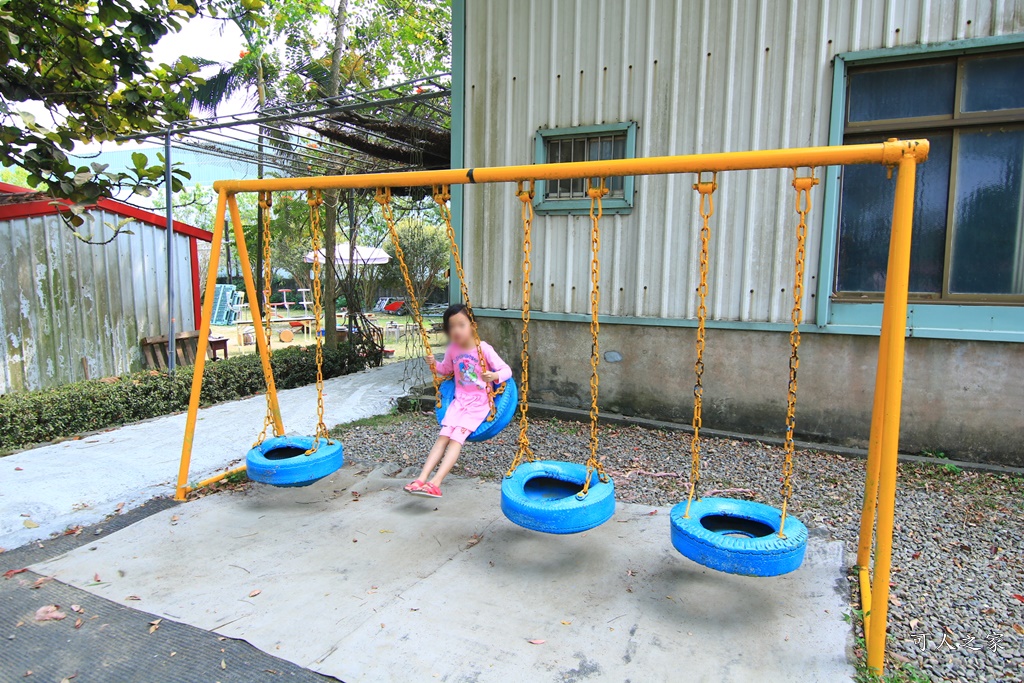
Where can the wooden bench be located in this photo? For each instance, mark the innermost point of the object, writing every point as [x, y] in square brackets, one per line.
[186, 347]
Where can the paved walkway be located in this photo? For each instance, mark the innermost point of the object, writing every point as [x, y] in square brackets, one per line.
[83, 481]
[354, 579]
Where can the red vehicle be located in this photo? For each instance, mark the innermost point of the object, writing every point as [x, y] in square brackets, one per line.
[395, 308]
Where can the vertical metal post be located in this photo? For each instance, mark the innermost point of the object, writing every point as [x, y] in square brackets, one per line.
[169, 198]
[893, 343]
[350, 294]
[204, 339]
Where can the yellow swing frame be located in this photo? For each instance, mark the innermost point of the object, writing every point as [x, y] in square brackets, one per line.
[880, 484]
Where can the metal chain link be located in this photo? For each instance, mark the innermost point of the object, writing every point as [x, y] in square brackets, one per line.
[315, 200]
[705, 191]
[596, 195]
[523, 450]
[441, 196]
[265, 202]
[383, 197]
[802, 185]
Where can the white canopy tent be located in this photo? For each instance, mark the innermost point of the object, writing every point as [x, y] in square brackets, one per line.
[362, 256]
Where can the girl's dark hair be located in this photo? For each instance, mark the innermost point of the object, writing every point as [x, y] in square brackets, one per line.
[452, 310]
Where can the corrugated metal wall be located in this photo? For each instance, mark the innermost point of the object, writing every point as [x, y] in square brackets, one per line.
[62, 301]
[710, 76]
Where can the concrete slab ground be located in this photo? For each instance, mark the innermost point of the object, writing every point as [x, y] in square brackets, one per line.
[354, 579]
[104, 642]
[83, 481]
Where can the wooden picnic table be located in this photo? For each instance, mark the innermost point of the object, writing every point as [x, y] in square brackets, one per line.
[305, 322]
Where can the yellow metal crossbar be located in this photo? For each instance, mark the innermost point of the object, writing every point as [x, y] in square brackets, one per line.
[888, 153]
[880, 482]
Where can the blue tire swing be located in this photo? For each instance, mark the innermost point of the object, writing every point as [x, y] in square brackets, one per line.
[740, 536]
[506, 399]
[547, 495]
[283, 460]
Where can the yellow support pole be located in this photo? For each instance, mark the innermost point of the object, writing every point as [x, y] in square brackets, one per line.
[874, 461]
[204, 336]
[895, 306]
[865, 596]
[214, 479]
[257, 318]
[889, 152]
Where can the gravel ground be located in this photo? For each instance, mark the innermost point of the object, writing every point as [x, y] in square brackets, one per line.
[957, 604]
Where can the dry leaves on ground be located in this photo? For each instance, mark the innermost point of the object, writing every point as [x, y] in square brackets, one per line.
[50, 613]
[254, 593]
[154, 625]
[537, 641]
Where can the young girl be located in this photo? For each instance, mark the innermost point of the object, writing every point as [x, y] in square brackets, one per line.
[470, 407]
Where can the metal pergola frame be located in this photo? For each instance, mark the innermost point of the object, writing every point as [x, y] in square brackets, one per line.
[350, 133]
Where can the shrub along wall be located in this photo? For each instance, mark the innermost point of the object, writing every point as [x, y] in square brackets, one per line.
[43, 416]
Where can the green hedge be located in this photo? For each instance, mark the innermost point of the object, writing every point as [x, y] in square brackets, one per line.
[43, 416]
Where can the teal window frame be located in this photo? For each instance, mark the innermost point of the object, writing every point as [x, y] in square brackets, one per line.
[980, 322]
[611, 205]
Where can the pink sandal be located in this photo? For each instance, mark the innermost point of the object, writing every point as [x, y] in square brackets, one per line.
[414, 487]
[428, 490]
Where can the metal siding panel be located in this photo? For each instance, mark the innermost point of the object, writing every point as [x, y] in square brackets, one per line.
[697, 77]
[10, 302]
[182, 284]
[65, 300]
[48, 274]
[5, 256]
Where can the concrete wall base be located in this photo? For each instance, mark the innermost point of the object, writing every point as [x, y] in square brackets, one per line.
[963, 399]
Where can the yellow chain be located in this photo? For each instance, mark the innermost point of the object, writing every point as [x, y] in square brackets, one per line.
[441, 196]
[596, 211]
[265, 202]
[523, 450]
[315, 200]
[707, 209]
[383, 197]
[803, 186]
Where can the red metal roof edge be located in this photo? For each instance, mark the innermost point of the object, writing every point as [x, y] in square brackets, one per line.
[48, 207]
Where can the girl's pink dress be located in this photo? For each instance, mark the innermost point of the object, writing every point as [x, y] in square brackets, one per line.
[470, 407]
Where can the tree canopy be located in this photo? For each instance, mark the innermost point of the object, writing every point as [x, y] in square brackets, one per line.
[89, 64]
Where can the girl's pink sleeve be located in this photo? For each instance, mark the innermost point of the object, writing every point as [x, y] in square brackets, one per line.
[446, 366]
[496, 364]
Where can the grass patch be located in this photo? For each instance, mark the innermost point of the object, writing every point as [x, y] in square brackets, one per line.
[391, 418]
[896, 672]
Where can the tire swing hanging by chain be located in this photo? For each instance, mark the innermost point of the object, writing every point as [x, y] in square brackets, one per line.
[504, 396]
[283, 460]
[552, 496]
[731, 535]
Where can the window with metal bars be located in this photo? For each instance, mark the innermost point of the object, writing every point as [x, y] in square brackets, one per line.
[585, 143]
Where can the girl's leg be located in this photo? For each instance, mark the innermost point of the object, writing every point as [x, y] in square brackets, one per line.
[451, 455]
[434, 457]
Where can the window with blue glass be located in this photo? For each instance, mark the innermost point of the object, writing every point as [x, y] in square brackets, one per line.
[584, 143]
[968, 241]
